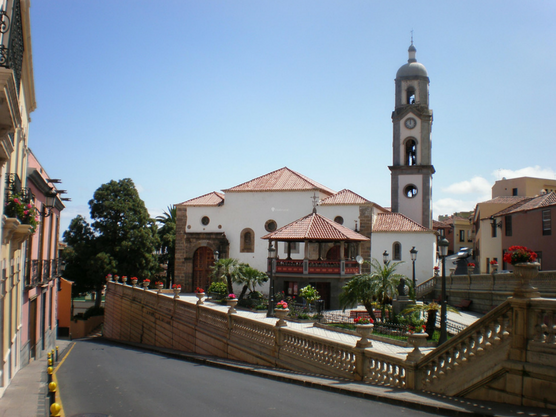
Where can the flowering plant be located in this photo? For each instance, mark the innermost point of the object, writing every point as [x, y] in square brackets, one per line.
[519, 254]
[232, 296]
[471, 265]
[494, 262]
[436, 268]
[109, 277]
[158, 283]
[134, 278]
[363, 320]
[25, 212]
[417, 329]
[147, 280]
[175, 286]
[199, 290]
[282, 305]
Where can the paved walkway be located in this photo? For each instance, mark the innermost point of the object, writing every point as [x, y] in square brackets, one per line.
[25, 396]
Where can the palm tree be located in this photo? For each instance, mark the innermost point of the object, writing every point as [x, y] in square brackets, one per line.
[228, 270]
[250, 278]
[167, 235]
[380, 285]
[431, 310]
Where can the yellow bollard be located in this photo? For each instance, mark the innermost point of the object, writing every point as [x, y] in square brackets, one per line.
[56, 353]
[49, 362]
[52, 394]
[49, 370]
[55, 410]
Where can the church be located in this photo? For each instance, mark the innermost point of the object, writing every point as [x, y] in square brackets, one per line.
[320, 236]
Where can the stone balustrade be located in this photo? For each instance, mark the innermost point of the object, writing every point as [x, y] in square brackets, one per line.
[508, 356]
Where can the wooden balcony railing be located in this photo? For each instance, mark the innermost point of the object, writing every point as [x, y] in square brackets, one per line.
[308, 267]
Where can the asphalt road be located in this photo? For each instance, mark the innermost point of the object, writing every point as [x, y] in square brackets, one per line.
[100, 378]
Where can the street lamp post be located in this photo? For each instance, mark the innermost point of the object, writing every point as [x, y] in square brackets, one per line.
[413, 253]
[385, 257]
[443, 247]
[271, 263]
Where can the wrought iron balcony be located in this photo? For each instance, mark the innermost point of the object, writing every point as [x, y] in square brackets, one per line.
[308, 267]
[12, 45]
[33, 278]
[13, 188]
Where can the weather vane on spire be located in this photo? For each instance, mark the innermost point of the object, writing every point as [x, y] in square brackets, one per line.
[315, 202]
[412, 36]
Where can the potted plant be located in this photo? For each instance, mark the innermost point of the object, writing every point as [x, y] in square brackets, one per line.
[281, 310]
[159, 285]
[231, 301]
[436, 270]
[494, 265]
[116, 278]
[364, 327]
[124, 279]
[470, 267]
[200, 293]
[177, 290]
[526, 268]
[134, 281]
[146, 283]
[417, 337]
[108, 277]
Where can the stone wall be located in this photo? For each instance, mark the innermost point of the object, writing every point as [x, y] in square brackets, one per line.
[488, 291]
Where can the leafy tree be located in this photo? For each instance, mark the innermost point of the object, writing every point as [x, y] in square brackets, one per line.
[167, 236]
[310, 294]
[380, 285]
[227, 270]
[122, 239]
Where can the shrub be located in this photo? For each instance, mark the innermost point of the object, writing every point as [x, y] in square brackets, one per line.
[219, 288]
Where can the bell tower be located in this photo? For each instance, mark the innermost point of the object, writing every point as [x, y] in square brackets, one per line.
[411, 170]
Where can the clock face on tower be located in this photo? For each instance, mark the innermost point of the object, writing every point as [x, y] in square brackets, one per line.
[410, 123]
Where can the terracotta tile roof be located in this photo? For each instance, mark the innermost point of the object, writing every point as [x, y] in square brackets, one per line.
[346, 197]
[210, 199]
[439, 225]
[508, 199]
[530, 203]
[281, 180]
[314, 227]
[396, 222]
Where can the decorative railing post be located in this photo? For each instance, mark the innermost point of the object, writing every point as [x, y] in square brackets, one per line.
[361, 364]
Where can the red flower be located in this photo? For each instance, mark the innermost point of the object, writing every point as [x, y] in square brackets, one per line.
[363, 320]
[519, 254]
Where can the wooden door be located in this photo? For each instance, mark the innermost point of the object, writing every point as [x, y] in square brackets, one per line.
[324, 291]
[203, 260]
[33, 328]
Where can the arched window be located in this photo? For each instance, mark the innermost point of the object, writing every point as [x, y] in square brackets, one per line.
[410, 191]
[396, 251]
[410, 152]
[410, 95]
[247, 241]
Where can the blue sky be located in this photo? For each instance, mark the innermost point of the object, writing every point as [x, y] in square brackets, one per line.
[188, 97]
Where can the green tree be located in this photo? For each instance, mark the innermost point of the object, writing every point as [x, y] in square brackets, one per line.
[380, 285]
[431, 310]
[167, 236]
[122, 239]
[250, 278]
[227, 270]
[310, 294]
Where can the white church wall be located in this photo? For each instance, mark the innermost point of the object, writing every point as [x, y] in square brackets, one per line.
[411, 207]
[425, 244]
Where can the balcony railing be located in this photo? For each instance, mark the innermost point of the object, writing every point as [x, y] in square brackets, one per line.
[12, 46]
[13, 188]
[308, 267]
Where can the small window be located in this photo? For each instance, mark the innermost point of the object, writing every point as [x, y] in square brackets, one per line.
[270, 226]
[410, 153]
[514, 191]
[397, 251]
[411, 95]
[291, 288]
[493, 229]
[247, 242]
[546, 223]
[410, 191]
[508, 225]
[339, 219]
[205, 220]
[462, 235]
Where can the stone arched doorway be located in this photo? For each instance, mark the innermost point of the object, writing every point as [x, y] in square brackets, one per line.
[203, 259]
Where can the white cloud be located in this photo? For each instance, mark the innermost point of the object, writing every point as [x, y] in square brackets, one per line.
[477, 185]
[536, 172]
[449, 206]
